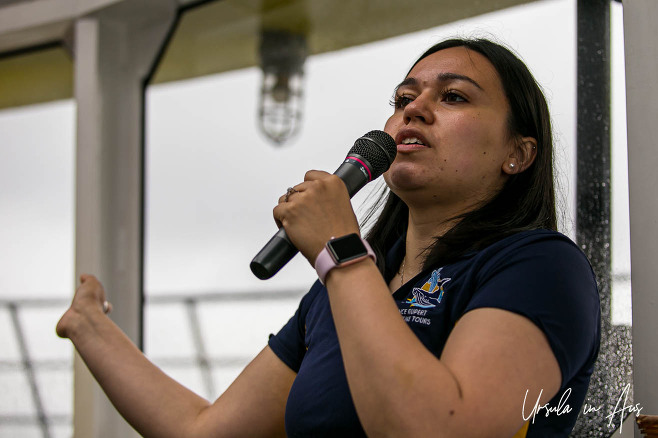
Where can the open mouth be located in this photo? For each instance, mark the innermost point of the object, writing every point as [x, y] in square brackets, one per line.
[413, 140]
[410, 140]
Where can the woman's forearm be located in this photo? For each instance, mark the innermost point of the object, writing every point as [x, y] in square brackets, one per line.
[384, 361]
[158, 406]
[153, 403]
[490, 360]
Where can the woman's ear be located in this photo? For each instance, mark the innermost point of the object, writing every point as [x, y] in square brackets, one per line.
[522, 155]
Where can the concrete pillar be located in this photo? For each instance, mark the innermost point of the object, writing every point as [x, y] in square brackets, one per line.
[114, 49]
[640, 35]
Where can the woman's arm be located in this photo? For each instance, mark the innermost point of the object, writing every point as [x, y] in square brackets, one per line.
[399, 388]
[156, 405]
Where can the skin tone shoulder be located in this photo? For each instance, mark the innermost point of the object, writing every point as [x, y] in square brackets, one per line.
[454, 151]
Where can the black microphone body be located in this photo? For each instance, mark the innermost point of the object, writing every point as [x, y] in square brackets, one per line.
[370, 156]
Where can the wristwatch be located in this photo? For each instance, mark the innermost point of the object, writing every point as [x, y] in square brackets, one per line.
[342, 251]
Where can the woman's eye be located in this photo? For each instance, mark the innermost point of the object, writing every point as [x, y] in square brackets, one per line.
[401, 101]
[451, 96]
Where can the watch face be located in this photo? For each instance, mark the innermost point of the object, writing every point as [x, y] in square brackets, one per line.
[346, 248]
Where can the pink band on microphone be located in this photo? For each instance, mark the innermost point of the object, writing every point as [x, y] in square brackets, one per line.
[363, 164]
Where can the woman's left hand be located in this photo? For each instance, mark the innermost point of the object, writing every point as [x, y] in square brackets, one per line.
[317, 210]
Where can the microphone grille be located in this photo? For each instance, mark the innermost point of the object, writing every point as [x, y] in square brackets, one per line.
[379, 150]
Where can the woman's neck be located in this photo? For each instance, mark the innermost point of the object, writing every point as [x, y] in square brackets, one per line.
[422, 232]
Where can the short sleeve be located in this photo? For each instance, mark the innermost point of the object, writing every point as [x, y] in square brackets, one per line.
[549, 281]
[289, 343]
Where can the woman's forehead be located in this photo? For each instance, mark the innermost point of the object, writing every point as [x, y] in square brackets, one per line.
[455, 62]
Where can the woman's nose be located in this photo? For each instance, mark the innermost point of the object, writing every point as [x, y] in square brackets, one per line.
[421, 109]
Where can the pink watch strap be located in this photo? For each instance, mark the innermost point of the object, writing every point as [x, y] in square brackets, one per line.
[325, 262]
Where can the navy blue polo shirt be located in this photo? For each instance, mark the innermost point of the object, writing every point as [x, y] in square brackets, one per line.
[539, 274]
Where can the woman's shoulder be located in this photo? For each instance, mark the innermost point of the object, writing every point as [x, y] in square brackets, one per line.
[540, 243]
[535, 237]
[544, 276]
[536, 262]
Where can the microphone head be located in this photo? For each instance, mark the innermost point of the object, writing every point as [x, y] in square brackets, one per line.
[378, 149]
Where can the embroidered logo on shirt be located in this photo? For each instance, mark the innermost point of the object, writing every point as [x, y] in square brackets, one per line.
[431, 293]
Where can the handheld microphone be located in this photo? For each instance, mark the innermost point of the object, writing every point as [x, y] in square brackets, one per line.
[370, 157]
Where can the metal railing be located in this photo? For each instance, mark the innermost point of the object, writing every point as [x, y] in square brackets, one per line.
[200, 358]
[29, 366]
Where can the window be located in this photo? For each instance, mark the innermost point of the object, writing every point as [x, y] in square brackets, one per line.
[36, 269]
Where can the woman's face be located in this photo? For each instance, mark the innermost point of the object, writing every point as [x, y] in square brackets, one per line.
[450, 125]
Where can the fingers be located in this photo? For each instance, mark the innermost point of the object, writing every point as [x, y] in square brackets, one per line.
[89, 279]
[278, 214]
[91, 291]
[313, 175]
[314, 210]
[289, 192]
[89, 298]
[285, 202]
[318, 186]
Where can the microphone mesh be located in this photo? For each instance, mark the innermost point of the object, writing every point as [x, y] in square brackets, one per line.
[379, 150]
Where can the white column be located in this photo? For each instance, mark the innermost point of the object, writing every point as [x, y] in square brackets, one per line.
[640, 35]
[113, 49]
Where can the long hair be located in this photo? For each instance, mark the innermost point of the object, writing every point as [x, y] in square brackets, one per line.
[527, 199]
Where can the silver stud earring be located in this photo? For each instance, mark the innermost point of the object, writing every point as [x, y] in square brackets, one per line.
[512, 166]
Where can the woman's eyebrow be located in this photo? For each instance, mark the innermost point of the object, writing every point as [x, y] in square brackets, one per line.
[405, 82]
[441, 77]
[446, 77]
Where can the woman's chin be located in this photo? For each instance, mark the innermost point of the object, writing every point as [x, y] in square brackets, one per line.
[405, 177]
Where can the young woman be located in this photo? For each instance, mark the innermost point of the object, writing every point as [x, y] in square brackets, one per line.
[470, 317]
